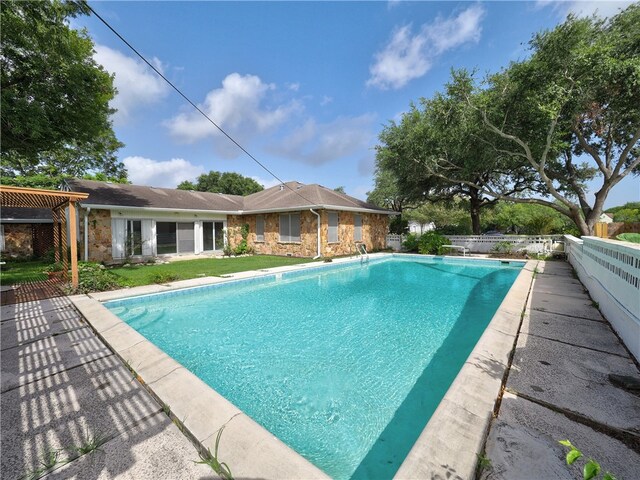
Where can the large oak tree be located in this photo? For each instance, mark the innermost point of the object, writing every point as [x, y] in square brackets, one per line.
[55, 97]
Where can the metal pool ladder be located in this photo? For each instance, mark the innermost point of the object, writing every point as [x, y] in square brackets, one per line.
[361, 249]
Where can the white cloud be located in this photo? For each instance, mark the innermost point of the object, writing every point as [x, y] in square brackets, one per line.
[316, 143]
[326, 100]
[241, 107]
[169, 173]
[408, 56]
[602, 8]
[136, 83]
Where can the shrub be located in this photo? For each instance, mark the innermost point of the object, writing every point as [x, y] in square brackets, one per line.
[629, 237]
[411, 243]
[164, 277]
[431, 243]
[503, 247]
[242, 247]
[93, 277]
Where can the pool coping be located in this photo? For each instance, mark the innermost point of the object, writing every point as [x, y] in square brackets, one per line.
[454, 434]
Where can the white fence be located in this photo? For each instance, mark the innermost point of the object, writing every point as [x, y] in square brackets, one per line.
[488, 243]
[611, 272]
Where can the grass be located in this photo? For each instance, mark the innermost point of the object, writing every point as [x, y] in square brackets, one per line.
[136, 275]
[23, 271]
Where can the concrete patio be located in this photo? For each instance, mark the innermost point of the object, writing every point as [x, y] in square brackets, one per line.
[558, 388]
[62, 388]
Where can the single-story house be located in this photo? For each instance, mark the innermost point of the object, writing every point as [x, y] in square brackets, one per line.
[26, 232]
[122, 221]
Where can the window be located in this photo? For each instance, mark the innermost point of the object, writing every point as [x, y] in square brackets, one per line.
[207, 236]
[260, 228]
[186, 238]
[357, 228]
[290, 227]
[218, 229]
[133, 245]
[333, 228]
[166, 237]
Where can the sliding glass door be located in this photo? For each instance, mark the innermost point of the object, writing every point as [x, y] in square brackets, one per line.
[212, 236]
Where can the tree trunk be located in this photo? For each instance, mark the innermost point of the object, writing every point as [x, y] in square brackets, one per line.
[475, 204]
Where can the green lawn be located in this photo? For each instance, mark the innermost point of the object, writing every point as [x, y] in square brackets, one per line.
[18, 272]
[182, 270]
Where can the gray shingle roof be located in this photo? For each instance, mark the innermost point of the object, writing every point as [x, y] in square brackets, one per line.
[125, 195]
[289, 196]
[15, 215]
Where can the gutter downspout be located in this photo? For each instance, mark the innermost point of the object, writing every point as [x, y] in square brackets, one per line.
[86, 234]
[317, 215]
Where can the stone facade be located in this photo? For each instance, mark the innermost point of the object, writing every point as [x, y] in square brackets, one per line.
[99, 236]
[18, 240]
[374, 231]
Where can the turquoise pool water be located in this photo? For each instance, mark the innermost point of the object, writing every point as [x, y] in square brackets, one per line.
[345, 364]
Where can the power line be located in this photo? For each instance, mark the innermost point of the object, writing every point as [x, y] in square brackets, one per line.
[161, 75]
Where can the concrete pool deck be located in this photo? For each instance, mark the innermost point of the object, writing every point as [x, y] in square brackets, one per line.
[53, 406]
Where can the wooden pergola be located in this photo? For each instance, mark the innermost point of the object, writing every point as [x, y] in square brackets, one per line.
[57, 202]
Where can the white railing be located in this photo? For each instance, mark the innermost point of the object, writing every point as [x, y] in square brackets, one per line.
[611, 272]
[395, 241]
[489, 243]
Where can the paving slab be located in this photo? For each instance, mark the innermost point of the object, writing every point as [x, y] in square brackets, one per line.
[50, 355]
[575, 379]
[152, 449]
[576, 307]
[556, 268]
[523, 443]
[558, 285]
[576, 331]
[59, 411]
[32, 309]
[25, 330]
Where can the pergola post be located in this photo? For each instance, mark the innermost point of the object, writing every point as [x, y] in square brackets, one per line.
[56, 235]
[73, 243]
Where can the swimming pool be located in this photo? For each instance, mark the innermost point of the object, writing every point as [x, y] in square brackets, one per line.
[345, 364]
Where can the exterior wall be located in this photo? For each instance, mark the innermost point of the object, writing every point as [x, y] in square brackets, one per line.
[18, 239]
[99, 236]
[374, 231]
[611, 272]
[307, 247]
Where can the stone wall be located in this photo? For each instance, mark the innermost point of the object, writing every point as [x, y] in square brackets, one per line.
[18, 240]
[374, 231]
[99, 236]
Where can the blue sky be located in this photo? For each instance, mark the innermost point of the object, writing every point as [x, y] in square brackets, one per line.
[304, 86]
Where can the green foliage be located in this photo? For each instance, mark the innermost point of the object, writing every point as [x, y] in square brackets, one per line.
[386, 192]
[243, 247]
[229, 183]
[211, 459]
[143, 274]
[55, 97]
[49, 461]
[164, 277]
[93, 277]
[227, 250]
[591, 468]
[523, 134]
[629, 237]
[628, 213]
[398, 225]
[340, 189]
[530, 219]
[503, 247]
[91, 442]
[431, 243]
[55, 267]
[410, 243]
